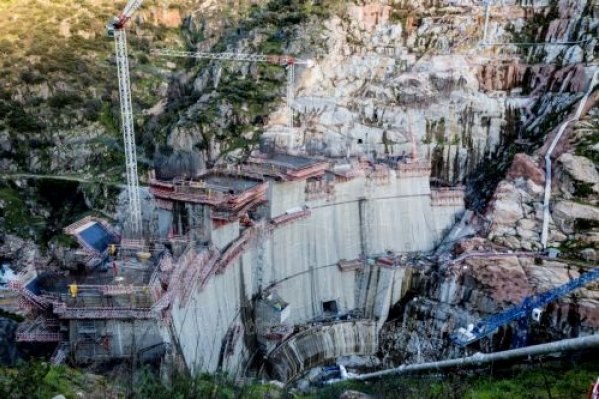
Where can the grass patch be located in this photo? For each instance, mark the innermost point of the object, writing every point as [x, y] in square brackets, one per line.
[35, 380]
[14, 211]
[559, 380]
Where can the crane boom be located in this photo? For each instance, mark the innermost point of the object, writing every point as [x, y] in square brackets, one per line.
[490, 325]
[283, 60]
[131, 7]
[116, 28]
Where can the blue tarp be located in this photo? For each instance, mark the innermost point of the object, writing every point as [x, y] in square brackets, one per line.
[97, 237]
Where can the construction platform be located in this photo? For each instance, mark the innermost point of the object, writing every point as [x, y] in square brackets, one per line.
[227, 190]
[93, 234]
[286, 167]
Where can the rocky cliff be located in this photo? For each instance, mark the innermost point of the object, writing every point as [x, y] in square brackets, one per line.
[467, 289]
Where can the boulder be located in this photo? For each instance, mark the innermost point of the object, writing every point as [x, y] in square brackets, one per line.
[525, 166]
[506, 208]
[590, 254]
[581, 169]
[502, 279]
[565, 213]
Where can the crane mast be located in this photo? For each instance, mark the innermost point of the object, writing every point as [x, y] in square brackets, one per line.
[284, 60]
[290, 94]
[116, 28]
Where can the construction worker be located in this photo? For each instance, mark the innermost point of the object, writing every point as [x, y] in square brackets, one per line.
[112, 250]
[73, 289]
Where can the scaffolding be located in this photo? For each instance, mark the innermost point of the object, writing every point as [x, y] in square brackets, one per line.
[198, 270]
[291, 216]
[286, 167]
[235, 249]
[38, 330]
[447, 196]
[416, 169]
[350, 265]
[59, 356]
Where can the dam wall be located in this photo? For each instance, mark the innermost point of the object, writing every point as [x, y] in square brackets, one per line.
[324, 251]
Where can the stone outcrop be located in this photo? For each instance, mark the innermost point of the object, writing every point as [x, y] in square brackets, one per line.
[473, 289]
[580, 170]
[566, 213]
[526, 167]
[515, 214]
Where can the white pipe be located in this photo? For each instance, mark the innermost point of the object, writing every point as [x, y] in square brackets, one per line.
[478, 359]
[560, 132]
[290, 98]
[487, 6]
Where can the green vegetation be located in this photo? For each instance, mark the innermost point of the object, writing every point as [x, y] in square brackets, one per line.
[14, 211]
[58, 74]
[568, 379]
[65, 241]
[35, 380]
[582, 189]
[586, 145]
[540, 381]
[203, 386]
[236, 111]
[11, 316]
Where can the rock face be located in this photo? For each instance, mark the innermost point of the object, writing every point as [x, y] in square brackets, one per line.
[59, 111]
[470, 288]
[566, 213]
[579, 170]
[526, 167]
[378, 90]
[516, 209]
[516, 214]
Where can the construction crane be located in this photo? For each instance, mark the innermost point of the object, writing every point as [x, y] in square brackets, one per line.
[116, 28]
[283, 60]
[531, 305]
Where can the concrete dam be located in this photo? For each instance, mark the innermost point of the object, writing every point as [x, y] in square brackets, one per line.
[283, 245]
[278, 265]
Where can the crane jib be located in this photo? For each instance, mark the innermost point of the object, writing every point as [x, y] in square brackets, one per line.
[488, 326]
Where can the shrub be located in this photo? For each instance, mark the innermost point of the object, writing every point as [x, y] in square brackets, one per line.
[21, 121]
[62, 100]
[14, 211]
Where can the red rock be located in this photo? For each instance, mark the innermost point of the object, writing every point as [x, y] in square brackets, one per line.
[525, 166]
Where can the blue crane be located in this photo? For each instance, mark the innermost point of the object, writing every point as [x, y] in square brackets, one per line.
[520, 312]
